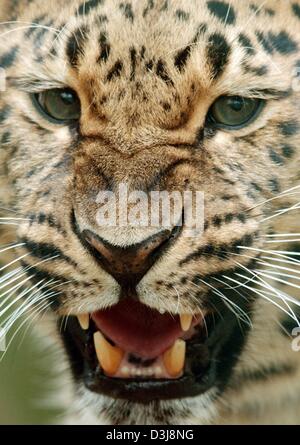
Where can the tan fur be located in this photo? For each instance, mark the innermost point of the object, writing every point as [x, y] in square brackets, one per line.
[128, 136]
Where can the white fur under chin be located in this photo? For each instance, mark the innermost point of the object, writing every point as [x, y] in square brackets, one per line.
[92, 409]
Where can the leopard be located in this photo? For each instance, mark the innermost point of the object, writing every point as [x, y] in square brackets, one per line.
[156, 324]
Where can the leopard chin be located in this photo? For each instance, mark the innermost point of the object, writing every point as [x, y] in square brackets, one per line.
[149, 189]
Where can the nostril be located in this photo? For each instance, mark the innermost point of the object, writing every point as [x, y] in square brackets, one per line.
[129, 265]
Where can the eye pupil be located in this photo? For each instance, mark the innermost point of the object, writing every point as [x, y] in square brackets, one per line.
[68, 97]
[60, 105]
[236, 104]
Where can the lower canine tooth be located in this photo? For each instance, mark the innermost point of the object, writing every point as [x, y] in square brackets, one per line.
[84, 321]
[109, 356]
[186, 321]
[174, 358]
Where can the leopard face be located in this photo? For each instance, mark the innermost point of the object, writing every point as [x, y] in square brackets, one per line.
[158, 95]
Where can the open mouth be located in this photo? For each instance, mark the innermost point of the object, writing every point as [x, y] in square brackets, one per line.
[133, 352]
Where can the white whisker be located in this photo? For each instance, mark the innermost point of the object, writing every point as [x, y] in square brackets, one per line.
[282, 212]
[279, 280]
[260, 293]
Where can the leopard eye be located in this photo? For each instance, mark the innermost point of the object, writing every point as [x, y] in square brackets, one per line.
[62, 105]
[234, 112]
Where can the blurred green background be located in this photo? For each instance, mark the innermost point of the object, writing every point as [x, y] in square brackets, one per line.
[27, 379]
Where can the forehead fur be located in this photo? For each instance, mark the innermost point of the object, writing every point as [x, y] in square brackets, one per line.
[155, 64]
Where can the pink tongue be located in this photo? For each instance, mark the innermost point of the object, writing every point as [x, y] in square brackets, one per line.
[137, 329]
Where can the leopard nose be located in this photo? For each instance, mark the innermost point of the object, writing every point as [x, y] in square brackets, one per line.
[129, 265]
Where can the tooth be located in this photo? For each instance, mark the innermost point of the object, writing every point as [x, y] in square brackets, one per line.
[174, 358]
[109, 356]
[125, 371]
[84, 321]
[186, 321]
[157, 372]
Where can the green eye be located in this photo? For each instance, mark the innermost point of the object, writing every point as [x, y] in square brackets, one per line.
[62, 105]
[234, 111]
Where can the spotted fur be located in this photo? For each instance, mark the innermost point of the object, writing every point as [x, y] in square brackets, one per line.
[146, 73]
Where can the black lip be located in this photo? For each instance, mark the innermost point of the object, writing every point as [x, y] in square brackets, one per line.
[209, 363]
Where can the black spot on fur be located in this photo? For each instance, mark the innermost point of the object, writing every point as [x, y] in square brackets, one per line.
[46, 250]
[165, 6]
[33, 27]
[143, 52]
[133, 63]
[40, 32]
[245, 42]
[259, 71]
[102, 19]
[218, 52]
[8, 58]
[166, 106]
[149, 65]
[274, 185]
[162, 72]
[288, 151]
[289, 128]
[148, 8]
[294, 251]
[276, 158]
[223, 11]
[256, 186]
[222, 251]
[75, 45]
[267, 46]
[270, 12]
[242, 218]
[182, 15]
[127, 11]
[229, 218]
[283, 43]
[50, 220]
[217, 221]
[115, 71]
[4, 113]
[199, 33]
[86, 7]
[183, 55]
[5, 138]
[296, 9]
[255, 9]
[39, 128]
[104, 48]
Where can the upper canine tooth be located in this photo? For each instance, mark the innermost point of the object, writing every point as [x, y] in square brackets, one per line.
[186, 321]
[174, 358]
[84, 321]
[110, 357]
